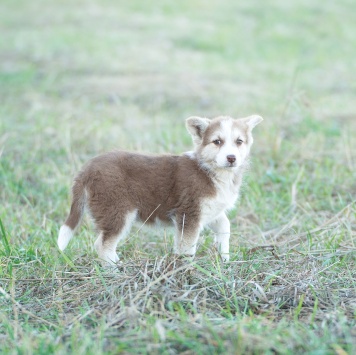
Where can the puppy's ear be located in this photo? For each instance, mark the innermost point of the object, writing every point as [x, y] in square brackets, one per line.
[252, 121]
[196, 126]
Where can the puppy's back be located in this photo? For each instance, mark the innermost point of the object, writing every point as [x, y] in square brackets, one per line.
[155, 186]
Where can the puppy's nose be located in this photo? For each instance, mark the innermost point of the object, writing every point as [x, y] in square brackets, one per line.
[231, 158]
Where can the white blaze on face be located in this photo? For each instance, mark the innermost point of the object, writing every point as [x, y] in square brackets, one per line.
[227, 154]
[229, 147]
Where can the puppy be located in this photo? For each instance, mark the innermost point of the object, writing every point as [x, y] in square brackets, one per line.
[188, 191]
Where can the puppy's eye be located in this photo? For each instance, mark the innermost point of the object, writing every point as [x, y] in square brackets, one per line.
[217, 142]
[239, 141]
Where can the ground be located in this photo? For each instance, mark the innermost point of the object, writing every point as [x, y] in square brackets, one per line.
[78, 78]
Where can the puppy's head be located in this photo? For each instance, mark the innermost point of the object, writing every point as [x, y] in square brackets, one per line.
[222, 142]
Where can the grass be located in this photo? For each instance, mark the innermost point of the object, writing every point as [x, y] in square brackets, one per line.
[80, 78]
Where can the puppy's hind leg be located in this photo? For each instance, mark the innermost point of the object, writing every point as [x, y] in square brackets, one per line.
[108, 239]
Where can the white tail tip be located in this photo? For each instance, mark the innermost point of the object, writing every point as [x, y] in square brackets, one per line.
[65, 235]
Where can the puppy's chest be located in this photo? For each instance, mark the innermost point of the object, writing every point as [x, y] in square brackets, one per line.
[224, 199]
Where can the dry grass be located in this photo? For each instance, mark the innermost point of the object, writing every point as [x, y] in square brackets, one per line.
[163, 297]
[268, 298]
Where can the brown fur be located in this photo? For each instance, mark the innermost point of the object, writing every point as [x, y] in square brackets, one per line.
[174, 186]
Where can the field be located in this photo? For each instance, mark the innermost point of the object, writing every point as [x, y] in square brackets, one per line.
[78, 78]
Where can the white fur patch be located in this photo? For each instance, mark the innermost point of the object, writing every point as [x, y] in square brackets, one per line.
[190, 154]
[64, 236]
[225, 199]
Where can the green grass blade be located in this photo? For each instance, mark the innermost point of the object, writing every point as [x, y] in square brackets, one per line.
[4, 239]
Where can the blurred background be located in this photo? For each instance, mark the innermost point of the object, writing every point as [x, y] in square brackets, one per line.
[78, 78]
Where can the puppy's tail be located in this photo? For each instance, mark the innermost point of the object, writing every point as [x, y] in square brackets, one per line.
[75, 215]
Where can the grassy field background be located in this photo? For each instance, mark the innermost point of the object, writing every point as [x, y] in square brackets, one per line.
[78, 78]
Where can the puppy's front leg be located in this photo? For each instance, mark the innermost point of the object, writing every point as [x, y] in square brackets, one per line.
[221, 228]
[186, 236]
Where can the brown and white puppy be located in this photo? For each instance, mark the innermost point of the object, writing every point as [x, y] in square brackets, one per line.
[189, 191]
